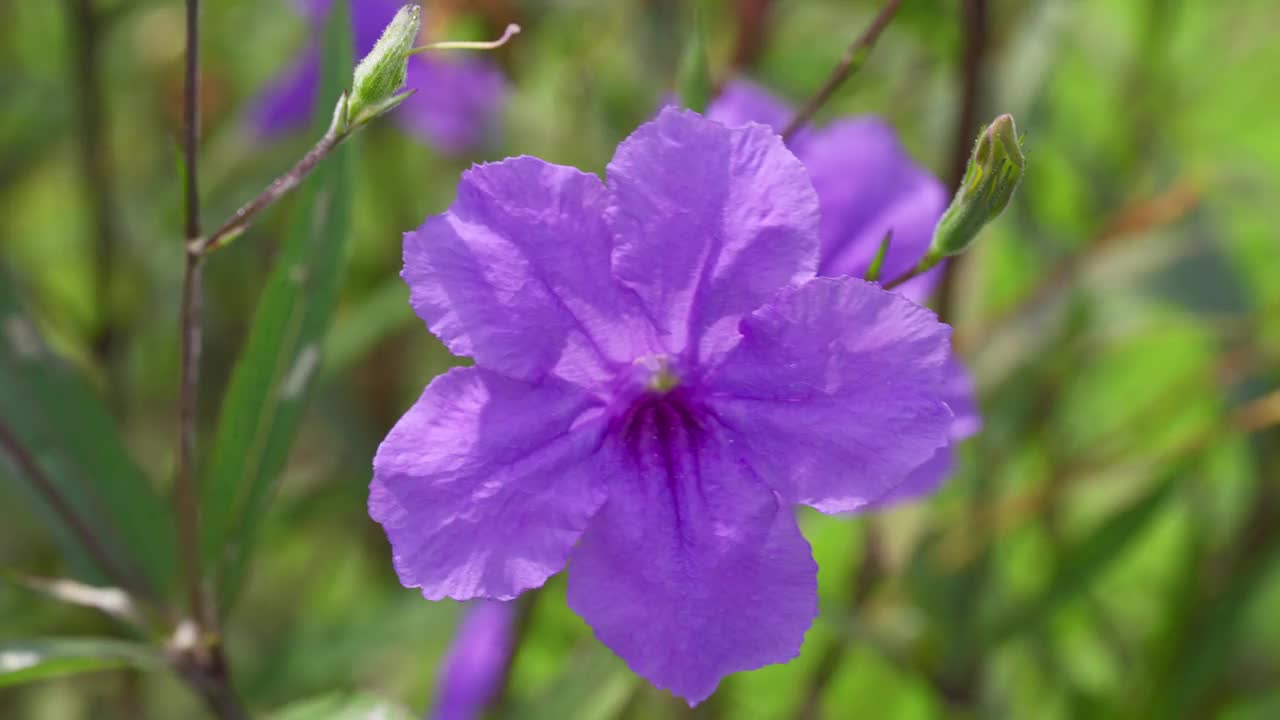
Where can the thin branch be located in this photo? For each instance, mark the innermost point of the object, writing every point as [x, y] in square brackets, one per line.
[187, 511]
[915, 272]
[852, 60]
[201, 662]
[280, 187]
[62, 507]
[973, 54]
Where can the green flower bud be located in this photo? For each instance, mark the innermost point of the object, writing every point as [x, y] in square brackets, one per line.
[994, 172]
[381, 73]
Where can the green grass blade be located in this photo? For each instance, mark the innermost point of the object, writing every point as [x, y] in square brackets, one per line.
[277, 367]
[345, 706]
[45, 658]
[1083, 562]
[55, 416]
[693, 77]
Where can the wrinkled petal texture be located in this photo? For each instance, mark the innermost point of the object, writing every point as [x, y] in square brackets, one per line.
[833, 392]
[486, 483]
[474, 666]
[959, 395]
[700, 250]
[516, 274]
[866, 183]
[709, 223]
[694, 569]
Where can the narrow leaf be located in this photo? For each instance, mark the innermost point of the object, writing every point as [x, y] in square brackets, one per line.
[693, 79]
[52, 415]
[41, 659]
[1085, 561]
[382, 312]
[277, 367]
[348, 706]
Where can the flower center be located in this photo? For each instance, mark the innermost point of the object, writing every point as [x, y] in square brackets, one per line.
[659, 418]
[661, 379]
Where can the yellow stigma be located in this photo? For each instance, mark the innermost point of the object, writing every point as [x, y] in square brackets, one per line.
[663, 381]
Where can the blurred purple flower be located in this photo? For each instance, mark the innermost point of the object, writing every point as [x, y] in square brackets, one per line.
[867, 185]
[658, 378]
[455, 106]
[476, 662]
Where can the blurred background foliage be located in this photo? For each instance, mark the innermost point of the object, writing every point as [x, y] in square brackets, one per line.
[1108, 549]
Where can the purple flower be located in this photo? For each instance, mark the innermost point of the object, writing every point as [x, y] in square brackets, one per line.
[455, 105]
[659, 377]
[867, 185]
[476, 662]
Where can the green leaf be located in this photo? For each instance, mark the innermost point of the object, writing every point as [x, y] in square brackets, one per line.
[1086, 560]
[277, 367]
[383, 311]
[51, 412]
[693, 78]
[40, 659]
[594, 683]
[346, 706]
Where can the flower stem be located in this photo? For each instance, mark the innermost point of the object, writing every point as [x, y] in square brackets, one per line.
[924, 266]
[202, 664]
[278, 188]
[852, 60]
[187, 509]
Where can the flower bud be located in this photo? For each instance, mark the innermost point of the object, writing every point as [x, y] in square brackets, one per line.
[381, 73]
[994, 172]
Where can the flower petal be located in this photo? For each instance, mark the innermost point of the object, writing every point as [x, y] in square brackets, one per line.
[710, 222]
[516, 274]
[928, 477]
[472, 671]
[836, 392]
[285, 105]
[455, 104]
[962, 399]
[694, 569]
[486, 483]
[869, 186]
[742, 102]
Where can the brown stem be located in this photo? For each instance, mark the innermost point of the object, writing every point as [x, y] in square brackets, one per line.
[279, 187]
[753, 16]
[973, 52]
[201, 662]
[852, 60]
[187, 507]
